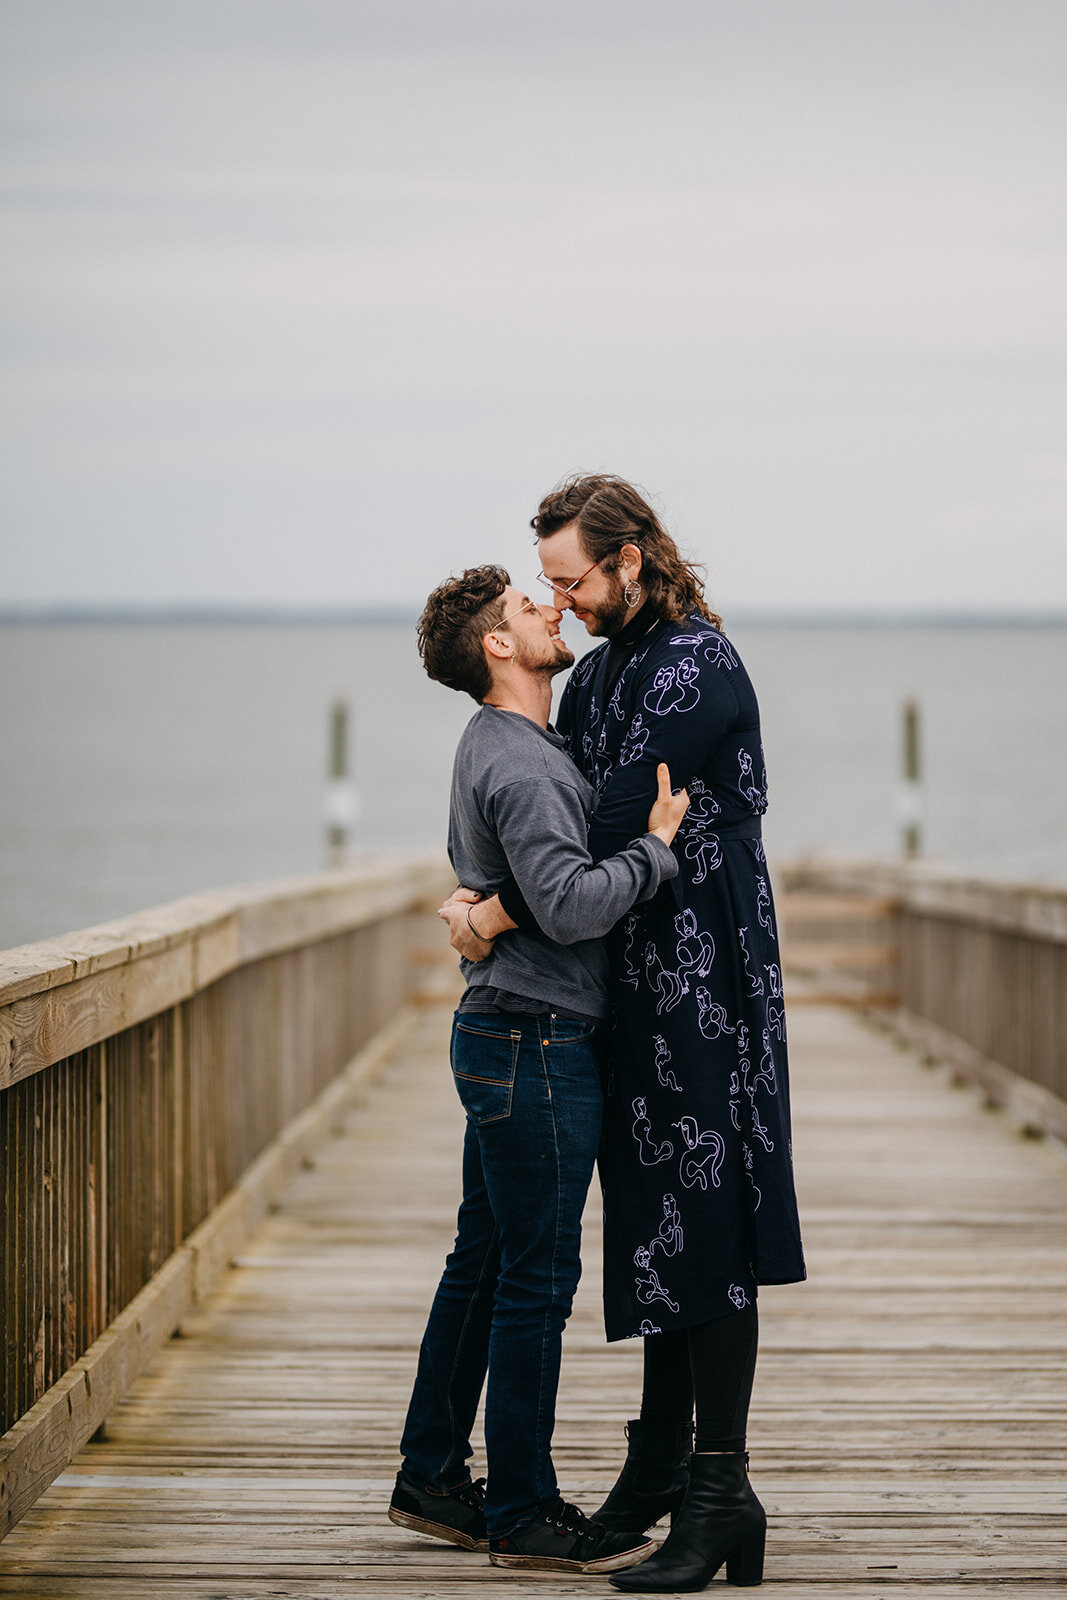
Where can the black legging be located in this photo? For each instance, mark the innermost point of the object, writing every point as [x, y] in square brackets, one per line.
[712, 1366]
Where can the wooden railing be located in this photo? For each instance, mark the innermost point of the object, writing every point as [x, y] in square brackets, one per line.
[160, 1078]
[972, 971]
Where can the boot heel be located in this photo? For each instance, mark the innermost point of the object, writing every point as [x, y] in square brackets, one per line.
[744, 1566]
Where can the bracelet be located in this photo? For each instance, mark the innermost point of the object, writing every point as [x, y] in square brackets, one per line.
[474, 930]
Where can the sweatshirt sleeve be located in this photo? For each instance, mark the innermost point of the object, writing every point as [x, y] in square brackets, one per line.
[542, 828]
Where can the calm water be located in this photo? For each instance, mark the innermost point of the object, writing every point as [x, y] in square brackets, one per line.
[141, 763]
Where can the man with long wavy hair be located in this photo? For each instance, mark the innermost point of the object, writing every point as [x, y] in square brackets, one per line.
[696, 1158]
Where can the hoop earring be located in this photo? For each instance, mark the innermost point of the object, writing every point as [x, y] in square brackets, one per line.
[632, 594]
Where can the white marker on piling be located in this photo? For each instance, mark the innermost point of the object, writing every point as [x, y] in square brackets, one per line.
[340, 806]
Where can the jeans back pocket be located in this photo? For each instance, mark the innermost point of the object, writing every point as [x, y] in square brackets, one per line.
[485, 1054]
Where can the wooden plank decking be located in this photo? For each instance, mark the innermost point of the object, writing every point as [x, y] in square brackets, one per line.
[909, 1433]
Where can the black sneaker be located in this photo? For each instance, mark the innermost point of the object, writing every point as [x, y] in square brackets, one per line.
[563, 1539]
[458, 1517]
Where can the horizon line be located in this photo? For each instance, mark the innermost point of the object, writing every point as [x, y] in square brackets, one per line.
[198, 613]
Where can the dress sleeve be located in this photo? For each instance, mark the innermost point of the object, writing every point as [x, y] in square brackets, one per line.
[565, 715]
[681, 710]
[510, 897]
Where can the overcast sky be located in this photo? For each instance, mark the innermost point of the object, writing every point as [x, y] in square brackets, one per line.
[309, 301]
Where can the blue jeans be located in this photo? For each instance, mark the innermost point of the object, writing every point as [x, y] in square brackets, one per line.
[531, 1089]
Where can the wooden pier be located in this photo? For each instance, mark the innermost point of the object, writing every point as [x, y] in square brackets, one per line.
[909, 1429]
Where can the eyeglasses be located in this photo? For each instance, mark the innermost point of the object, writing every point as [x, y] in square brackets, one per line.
[527, 605]
[559, 588]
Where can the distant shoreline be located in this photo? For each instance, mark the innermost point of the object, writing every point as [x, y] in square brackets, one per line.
[388, 616]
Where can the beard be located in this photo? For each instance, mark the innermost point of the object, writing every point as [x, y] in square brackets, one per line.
[612, 615]
[551, 659]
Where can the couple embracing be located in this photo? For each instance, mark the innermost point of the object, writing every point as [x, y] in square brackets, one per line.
[623, 1006]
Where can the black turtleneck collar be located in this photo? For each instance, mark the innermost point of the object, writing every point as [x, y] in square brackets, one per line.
[642, 622]
[623, 644]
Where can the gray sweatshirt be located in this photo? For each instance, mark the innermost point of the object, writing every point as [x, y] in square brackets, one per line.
[520, 808]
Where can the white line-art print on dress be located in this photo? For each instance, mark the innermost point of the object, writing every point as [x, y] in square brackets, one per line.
[711, 1016]
[766, 1074]
[750, 1082]
[630, 973]
[694, 1169]
[695, 950]
[649, 1289]
[763, 906]
[698, 830]
[740, 1084]
[662, 981]
[753, 977]
[774, 1006]
[615, 705]
[703, 806]
[669, 1239]
[706, 851]
[758, 1128]
[663, 1055]
[695, 955]
[642, 1131]
[753, 793]
[616, 708]
[636, 740]
[674, 689]
[582, 671]
[749, 1163]
[737, 1296]
[712, 646]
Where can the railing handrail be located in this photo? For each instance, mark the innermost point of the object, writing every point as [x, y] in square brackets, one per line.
[1036, 909]
[65, 994]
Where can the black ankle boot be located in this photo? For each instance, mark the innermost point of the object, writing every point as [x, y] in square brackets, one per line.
[653, 1479]
[720, 1520]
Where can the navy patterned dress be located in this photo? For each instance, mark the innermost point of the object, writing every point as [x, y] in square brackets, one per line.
[696, 1160]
